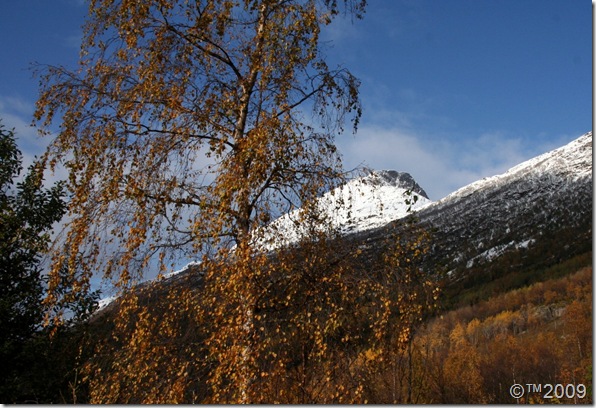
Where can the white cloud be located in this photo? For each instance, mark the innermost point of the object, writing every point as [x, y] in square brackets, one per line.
[17, 114]
[390, 148]
[73, 41]
[440, 165]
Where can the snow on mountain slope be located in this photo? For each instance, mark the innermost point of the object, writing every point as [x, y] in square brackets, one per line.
[535, 199]
[573, 161]
[370, 202]
[361, 204]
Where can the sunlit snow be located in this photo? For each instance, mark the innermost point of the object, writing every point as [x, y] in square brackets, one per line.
[364, 203]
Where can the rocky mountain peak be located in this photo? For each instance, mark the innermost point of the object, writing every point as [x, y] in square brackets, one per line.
[396, 179]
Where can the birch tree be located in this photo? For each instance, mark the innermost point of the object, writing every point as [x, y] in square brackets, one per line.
[186, 128]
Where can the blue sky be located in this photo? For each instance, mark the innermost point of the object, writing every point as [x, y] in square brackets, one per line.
[453, 91]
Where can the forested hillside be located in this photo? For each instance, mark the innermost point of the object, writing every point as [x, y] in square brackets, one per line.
[539, 334]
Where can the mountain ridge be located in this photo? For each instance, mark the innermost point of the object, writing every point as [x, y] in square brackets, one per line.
[540, 209]
[518, 210]
[577, 166]
[384, 196]
[365, 202]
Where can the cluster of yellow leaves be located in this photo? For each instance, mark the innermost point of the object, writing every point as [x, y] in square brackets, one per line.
[306, 325]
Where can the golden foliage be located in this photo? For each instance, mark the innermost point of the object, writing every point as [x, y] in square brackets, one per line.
[541, 334]
[306, 325]
[184, 126]
[184, 131]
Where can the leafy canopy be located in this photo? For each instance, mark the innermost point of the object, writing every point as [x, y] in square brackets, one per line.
[27, 214]
[189, 125]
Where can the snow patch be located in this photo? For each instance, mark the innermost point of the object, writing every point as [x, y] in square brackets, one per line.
[184, 269]
[499, 250]
[104, 302]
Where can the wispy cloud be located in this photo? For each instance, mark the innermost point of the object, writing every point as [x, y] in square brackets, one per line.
[17, 113]
[439, 166]
[73, 41]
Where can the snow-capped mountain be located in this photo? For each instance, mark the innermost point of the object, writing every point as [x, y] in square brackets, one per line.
[493, 214]
[543, 204]
[374, 200]
[540, 209]
[566, 164]
[475, 224]
[363, 203]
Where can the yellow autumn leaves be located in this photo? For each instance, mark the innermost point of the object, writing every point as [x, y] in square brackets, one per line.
[187, 128]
